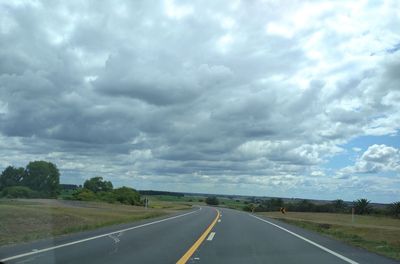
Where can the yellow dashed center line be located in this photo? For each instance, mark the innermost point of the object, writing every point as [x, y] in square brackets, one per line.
[197, 244]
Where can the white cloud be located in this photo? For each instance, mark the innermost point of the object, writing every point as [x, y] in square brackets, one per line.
[250, 93]
[177, 11]
[377, 158]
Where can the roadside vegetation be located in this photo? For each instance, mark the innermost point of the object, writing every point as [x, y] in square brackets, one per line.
[35, 205]
[24, 220]
[376, 229]
[376, 233]
[41, 179]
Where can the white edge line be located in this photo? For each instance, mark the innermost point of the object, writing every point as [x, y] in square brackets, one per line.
[309, 241]
[211, 236]
[95, 237]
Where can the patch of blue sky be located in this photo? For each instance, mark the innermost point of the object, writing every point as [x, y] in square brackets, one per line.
[348, 157]
[394, 48]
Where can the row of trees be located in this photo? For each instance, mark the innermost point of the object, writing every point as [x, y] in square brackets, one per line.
[41, 179]
[37, 179]
[98, 189]
[361, 206]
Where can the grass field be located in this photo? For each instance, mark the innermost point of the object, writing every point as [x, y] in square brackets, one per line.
[193, 200]
[24, 220]
[155, 201]
[378, 234]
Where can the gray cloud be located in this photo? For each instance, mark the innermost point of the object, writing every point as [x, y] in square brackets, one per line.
[248, 95]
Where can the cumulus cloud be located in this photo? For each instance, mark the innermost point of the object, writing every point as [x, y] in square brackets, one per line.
[376, 158]
[201, 95]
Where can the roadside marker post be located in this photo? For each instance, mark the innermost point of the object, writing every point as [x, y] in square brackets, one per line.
[352, 215]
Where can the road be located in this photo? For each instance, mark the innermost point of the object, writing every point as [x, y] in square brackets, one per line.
[203, 235]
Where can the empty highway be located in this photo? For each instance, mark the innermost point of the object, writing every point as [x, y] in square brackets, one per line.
[203, 235]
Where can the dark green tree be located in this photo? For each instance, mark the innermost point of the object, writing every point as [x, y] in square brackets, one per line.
[127, 195]
[212, 200]
[338, 205]
[362, 206]
[305, 206]
[97, 184]
[394, 209]
[11, 176]
[43, 177]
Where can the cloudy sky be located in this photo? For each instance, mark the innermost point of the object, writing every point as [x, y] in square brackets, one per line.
[275, 98]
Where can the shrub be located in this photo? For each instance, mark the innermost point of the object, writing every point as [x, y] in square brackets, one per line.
[213, 200]
[19, 192]
[248, 207]
[127, 195]
[108, 197]
[85, 195]
[97, 184]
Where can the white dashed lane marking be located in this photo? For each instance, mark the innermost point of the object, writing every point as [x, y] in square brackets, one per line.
[211, 236]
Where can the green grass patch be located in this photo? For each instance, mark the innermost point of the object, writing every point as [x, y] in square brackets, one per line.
[25, 220]
[377, 234]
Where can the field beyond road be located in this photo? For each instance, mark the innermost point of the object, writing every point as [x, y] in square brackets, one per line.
[378, 234]
[24, 220]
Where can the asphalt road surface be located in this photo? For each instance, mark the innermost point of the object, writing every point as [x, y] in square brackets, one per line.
[203, 235]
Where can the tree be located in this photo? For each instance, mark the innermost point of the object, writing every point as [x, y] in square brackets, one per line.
[305, 206]
[19, 192]
[11, 177]
[43, 177]
[127, 195]
[362, 206]
[212, 200]
[394, 209]
[339, 205]
[97, 184]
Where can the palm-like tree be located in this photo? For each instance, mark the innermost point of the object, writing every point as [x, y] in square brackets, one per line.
[394, 209]
[339, 205]
[362, 206]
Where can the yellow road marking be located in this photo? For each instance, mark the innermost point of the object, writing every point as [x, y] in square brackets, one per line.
[196, 245]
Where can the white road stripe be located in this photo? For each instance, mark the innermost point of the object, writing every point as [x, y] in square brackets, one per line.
[95, 237]
[211, 236]
[309, 241]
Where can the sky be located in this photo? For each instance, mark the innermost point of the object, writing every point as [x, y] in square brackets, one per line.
[267, 98]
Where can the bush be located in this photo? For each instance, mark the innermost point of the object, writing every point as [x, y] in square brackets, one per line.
[127, 195]
[97, 184]
[248, 208]
[108, 197]
[19, 192]
[213, 200]
[85, 195]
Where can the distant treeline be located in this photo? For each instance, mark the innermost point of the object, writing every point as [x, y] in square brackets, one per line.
[150, 192]
[360, 206]
[64, 186]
